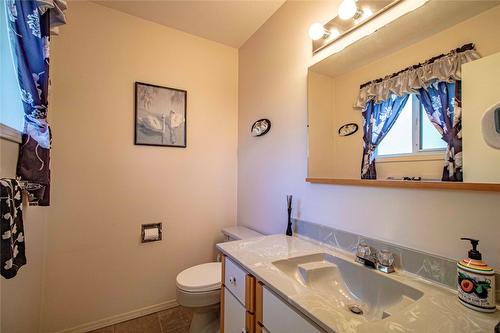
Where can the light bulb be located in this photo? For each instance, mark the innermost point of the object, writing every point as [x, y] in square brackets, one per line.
[316, 31]
[347, 9]
[334, 33]
[365, 13]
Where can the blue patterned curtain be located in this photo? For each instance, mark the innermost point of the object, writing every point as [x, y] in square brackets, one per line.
[378, 119]
[29, 37]
[443, 104]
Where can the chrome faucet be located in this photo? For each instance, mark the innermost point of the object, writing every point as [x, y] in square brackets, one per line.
[383, 260]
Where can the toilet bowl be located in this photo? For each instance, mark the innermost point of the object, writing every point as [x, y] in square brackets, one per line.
[198, 287]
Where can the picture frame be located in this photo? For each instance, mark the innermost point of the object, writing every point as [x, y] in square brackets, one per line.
[160, 116]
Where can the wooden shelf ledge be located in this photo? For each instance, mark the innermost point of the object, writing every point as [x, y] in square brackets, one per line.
[433, 185]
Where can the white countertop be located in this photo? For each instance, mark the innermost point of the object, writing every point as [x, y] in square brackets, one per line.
[239, 232]
[437, 311]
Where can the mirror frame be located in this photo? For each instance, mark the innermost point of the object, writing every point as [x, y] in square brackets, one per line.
[423, 185]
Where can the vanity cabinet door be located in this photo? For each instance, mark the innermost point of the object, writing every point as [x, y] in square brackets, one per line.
[234, 314]
[278, 317]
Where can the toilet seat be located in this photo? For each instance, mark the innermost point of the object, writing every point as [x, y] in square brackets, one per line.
[200, 278]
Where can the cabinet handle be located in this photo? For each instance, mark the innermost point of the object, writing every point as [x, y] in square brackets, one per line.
[232, 280]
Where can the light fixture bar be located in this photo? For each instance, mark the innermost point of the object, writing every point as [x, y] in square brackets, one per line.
[365, 11]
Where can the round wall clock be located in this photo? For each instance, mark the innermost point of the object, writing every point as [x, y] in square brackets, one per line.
[261, 127]
[348, 129]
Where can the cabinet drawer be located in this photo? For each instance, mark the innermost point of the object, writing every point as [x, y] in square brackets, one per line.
[235, 280]
[279, 317]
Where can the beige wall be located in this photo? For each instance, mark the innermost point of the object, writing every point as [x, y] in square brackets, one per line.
[481, 29]
[21, 296]
[481, 80]
[273, 83]
[321, 153]
[104, 186]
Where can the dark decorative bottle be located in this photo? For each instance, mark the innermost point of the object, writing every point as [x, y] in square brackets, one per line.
[289, 204]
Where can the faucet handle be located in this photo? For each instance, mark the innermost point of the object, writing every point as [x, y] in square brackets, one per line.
[363, 250]
[365, 256]
[385, 261]
[385, 257]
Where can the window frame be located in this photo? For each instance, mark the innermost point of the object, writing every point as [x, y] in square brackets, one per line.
[10, 134]
[7, 132]
[417, 154]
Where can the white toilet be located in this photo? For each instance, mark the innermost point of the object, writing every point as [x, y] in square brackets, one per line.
[198, 287]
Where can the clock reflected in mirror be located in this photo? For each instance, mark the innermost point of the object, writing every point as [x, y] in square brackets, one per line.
[348, 129]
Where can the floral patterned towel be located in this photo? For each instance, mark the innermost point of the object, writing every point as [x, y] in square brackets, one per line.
[11, 228]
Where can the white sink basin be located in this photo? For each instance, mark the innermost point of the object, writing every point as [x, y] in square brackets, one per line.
[360, 291]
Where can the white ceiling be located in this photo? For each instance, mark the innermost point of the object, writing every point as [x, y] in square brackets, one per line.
[229, 22]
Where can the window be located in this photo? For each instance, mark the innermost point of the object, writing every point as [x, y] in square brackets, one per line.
[412, 133]
[11, 108]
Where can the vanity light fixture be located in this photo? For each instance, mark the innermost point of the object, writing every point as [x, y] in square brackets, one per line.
[351, 15]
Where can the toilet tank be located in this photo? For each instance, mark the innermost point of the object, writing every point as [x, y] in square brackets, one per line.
[238, 232]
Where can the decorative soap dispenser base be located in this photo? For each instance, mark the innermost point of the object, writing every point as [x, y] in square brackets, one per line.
[476, 281]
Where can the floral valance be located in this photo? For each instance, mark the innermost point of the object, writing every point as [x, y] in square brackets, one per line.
[444, 68]
[57, 16]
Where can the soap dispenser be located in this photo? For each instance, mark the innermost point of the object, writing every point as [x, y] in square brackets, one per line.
[476, 281]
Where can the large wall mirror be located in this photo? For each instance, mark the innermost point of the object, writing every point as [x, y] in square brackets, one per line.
[417, 90]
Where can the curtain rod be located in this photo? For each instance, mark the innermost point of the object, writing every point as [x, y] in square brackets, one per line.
[463, 48]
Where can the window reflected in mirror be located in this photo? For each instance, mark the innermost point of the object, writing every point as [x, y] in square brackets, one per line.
[412, 133]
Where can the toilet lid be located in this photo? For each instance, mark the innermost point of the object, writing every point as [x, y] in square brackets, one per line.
[204, 277]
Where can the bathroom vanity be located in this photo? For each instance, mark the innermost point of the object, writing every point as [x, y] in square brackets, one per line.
[248, 305]
[283, 284]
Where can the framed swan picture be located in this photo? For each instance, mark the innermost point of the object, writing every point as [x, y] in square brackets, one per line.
[160, 116]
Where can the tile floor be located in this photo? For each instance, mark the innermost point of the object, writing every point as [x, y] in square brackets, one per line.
[175, 320]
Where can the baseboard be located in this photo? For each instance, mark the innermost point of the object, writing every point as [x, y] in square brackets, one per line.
[120, 317]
